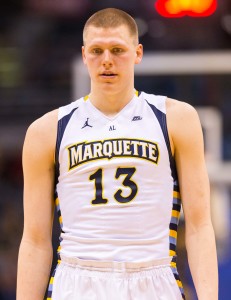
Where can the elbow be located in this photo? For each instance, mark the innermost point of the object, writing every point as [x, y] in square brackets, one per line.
[37, 239]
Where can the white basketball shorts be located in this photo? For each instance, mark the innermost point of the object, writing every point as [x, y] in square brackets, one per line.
[77, 279]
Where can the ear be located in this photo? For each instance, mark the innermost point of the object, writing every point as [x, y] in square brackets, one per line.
[83, 55]
[139, 54]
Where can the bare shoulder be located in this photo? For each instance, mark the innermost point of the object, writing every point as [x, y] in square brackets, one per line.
[45, 125]
[179, 109]
[41, 134]
[183, 122]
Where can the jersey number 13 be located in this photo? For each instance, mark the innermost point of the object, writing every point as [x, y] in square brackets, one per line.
[127, 182]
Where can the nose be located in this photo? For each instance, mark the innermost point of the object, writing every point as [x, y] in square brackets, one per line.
[107, 58]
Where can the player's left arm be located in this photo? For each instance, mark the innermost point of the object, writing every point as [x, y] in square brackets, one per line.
[188, 147]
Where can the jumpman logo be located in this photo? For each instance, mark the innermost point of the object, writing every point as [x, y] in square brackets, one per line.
[86, 124]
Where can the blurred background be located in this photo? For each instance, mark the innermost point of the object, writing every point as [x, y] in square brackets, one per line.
[187, 58]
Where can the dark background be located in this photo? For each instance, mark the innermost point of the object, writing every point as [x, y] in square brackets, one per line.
[39, 41]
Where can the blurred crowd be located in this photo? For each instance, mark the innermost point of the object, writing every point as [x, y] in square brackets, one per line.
[11, 221]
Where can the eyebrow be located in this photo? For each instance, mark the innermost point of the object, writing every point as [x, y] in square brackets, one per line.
[114, 42]
[113, 45]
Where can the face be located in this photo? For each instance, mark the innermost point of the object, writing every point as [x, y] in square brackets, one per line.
[110, 55]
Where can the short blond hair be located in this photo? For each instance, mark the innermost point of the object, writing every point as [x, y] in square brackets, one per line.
[109, 18]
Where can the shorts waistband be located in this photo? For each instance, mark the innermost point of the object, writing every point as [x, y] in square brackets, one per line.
[116, 265]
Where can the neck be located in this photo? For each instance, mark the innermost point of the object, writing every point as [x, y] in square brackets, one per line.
[111, 103]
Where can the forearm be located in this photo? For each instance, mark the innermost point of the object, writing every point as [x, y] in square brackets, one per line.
[34, 264]
[202, 259]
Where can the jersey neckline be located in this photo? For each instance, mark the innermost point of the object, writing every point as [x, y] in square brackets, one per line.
[101, 114]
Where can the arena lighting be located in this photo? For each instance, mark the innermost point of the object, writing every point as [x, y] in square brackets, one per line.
[181, 8]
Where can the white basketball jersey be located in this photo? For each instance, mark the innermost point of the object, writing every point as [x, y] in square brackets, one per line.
[116, 185]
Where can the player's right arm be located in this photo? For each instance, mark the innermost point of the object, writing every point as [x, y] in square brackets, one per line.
[35, 253]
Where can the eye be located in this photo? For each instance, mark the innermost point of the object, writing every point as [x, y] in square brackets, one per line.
[96, 51]
[117, 50]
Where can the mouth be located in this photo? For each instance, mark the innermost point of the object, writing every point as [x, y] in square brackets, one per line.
[108, 75]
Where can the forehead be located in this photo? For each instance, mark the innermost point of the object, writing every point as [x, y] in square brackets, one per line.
[99, 35]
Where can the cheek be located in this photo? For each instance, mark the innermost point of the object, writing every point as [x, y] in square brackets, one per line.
[91, 64]
[127, 63]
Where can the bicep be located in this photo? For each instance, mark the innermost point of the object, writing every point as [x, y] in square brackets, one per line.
[38, 171]
[193, 178]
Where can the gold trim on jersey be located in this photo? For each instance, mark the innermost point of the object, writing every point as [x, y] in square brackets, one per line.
[175, 216]
[86, 98]
[173, 233]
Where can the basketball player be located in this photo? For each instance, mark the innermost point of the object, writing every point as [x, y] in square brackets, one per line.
[121, 162]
